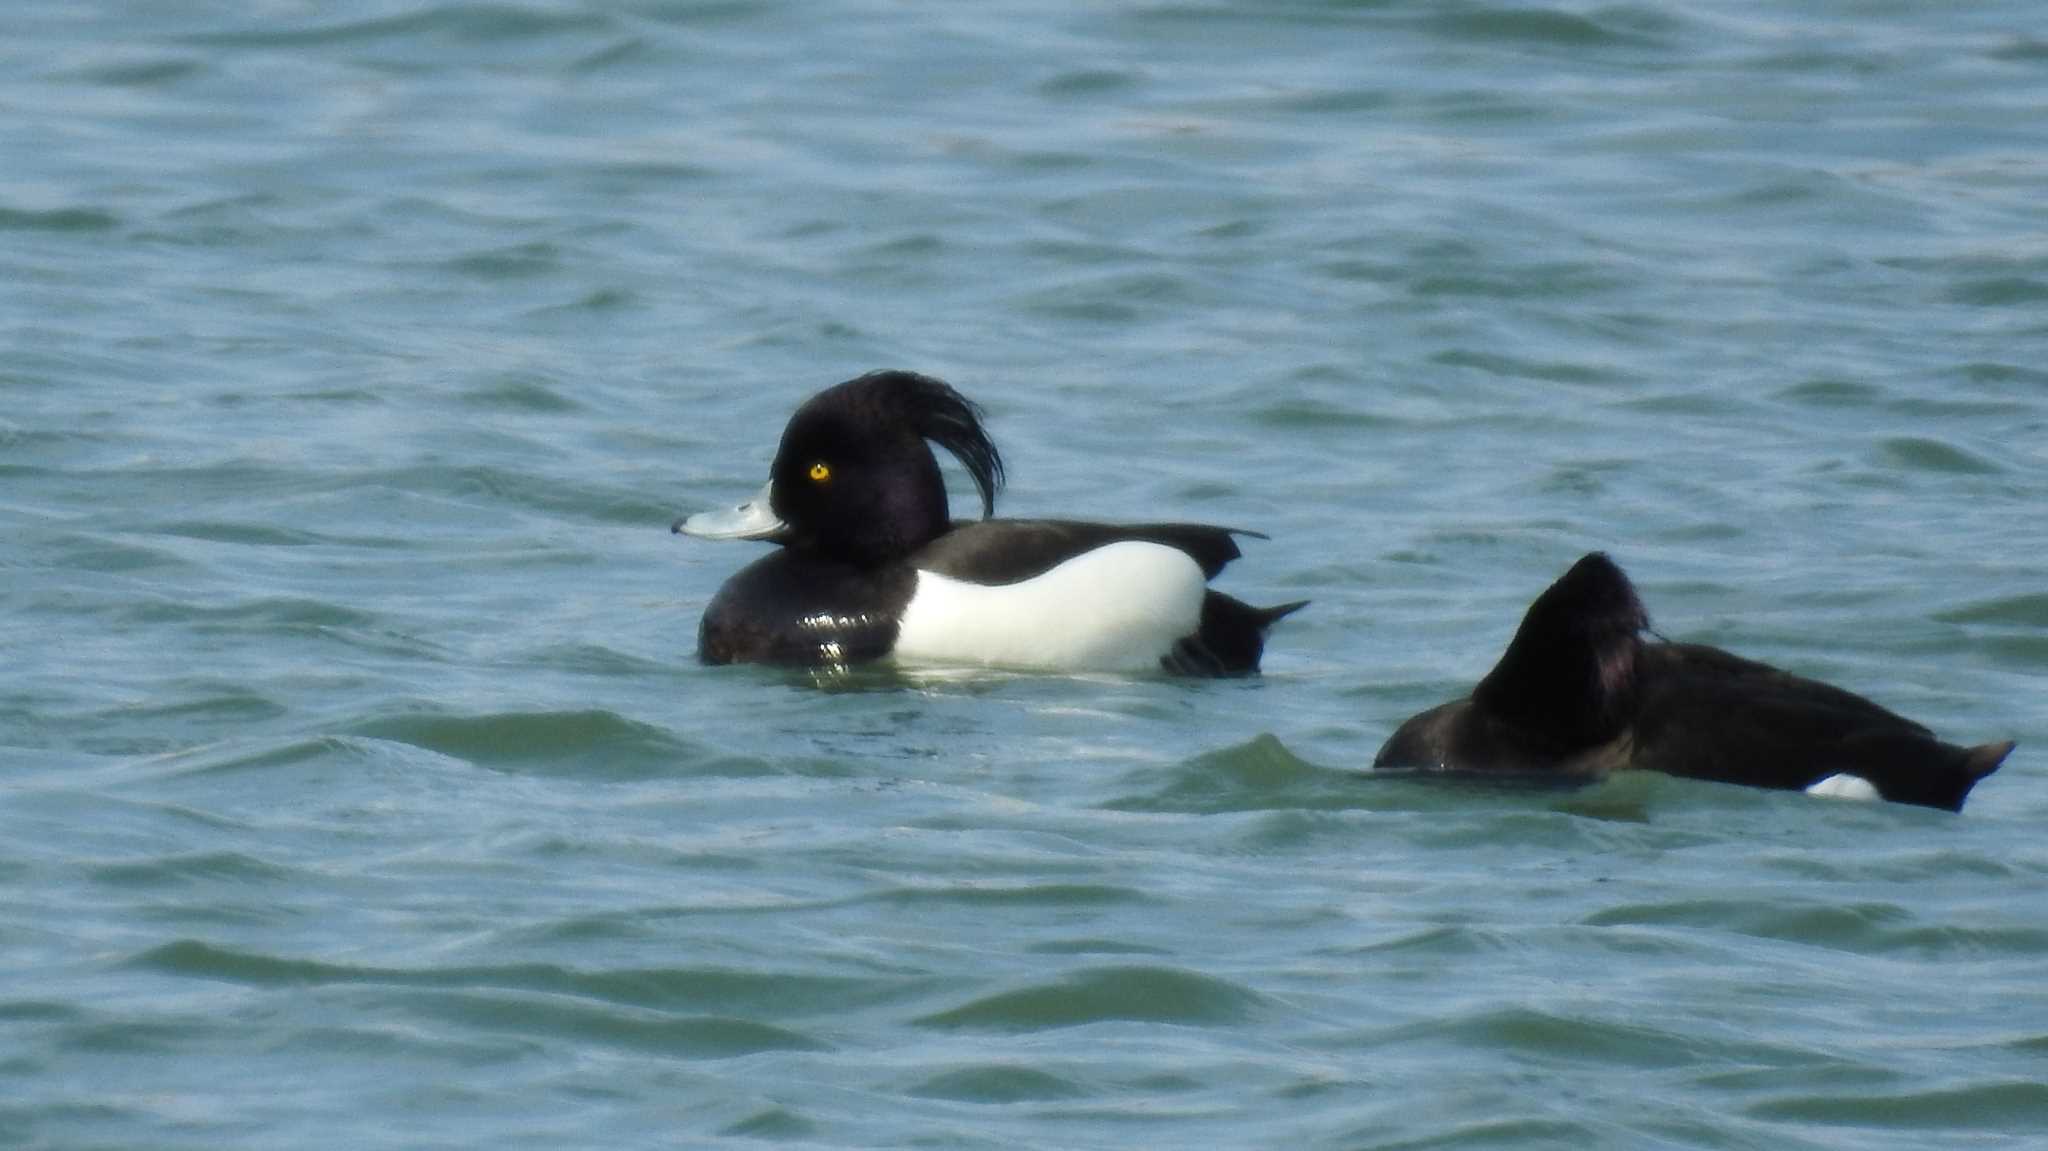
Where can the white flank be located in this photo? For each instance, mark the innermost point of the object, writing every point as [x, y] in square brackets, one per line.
[1117, 608]
[1845, 786]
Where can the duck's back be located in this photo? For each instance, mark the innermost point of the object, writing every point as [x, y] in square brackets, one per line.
[1706, 713]
[1009, 551]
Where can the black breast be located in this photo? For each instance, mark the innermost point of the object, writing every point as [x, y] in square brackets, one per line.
[793, 609]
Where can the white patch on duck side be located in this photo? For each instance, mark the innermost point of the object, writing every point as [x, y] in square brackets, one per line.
[1845, 786]
[1118, 607]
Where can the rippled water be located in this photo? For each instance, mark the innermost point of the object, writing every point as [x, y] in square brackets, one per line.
[360, 787]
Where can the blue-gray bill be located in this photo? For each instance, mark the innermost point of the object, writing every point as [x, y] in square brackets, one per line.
[753, 520]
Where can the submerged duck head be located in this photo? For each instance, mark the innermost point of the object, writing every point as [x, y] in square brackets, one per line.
[855, 479]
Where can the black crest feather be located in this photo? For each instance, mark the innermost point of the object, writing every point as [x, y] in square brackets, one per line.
[935, 411]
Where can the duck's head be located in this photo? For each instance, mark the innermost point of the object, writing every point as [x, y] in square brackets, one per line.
[855, 478]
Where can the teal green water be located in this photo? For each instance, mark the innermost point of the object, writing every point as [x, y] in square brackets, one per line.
[359, 787]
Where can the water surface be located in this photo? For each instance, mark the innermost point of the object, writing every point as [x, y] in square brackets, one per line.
[358, 784]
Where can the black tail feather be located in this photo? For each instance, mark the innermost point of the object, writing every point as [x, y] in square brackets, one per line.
[1230, 640]
[1942, 779]
[1974, 764]
[1986, 758]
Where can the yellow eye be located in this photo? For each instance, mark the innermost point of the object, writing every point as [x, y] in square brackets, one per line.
[820, 473]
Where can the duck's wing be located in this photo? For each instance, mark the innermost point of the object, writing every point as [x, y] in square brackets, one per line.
[1697, 669]
[1712, 715]
[1009, 551]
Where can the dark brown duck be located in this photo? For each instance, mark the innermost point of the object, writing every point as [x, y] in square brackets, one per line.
[1581, 692]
